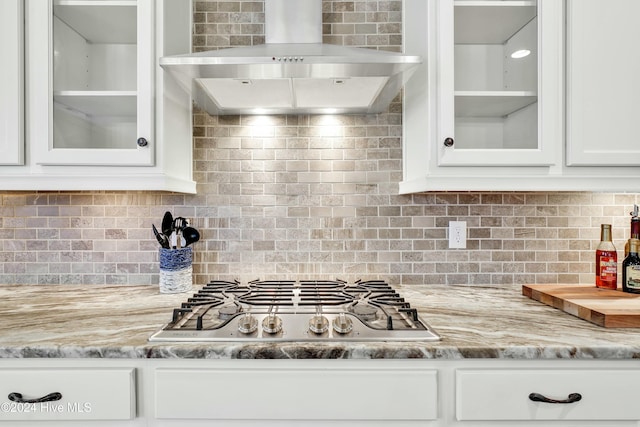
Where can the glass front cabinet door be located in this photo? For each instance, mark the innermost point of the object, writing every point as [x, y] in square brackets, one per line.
[486, 103]
[91, 73]
[11, 83]
[493, 82]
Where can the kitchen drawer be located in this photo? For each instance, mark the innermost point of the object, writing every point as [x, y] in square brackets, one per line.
[296, 394]
[607, 394]
[87, 394]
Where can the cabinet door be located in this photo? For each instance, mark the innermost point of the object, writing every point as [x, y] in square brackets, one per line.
[593, 394]
[67, 394]
[91, 82]
[11, 83]
[603, 87]
[321, 394]
[493, 82]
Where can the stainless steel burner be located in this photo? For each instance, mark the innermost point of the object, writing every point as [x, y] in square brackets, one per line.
[365, 311]
[228, 311]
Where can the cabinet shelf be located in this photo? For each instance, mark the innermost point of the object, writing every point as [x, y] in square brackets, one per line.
[98, 103]
[491, 103]
[100, 22]
[490, 22]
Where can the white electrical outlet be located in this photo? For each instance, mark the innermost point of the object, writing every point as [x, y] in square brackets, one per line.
[457, 234]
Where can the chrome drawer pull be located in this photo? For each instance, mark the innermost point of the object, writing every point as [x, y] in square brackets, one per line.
[51, 397]
[537, 397]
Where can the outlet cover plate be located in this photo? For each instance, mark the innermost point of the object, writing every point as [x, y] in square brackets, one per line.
[457, 234]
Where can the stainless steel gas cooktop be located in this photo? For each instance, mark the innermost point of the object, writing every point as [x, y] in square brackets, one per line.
[304, 310]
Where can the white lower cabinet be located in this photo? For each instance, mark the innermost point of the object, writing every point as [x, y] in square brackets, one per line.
[429, 393]
[324, 392]
[336, 393]
[68, 392]
[547, 394]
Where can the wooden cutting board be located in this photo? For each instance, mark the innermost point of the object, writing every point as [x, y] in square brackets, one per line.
[604, 307]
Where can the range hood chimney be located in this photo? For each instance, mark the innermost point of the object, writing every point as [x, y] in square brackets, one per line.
[293, 72]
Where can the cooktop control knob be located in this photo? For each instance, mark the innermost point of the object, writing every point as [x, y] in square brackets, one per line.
[318, 324]
[342, 324]
[247, 324]
[272, 324]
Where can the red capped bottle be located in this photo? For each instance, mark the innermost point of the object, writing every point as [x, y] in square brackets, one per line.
[606, 260]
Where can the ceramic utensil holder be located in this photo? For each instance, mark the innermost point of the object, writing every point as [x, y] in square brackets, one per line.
[176, 272]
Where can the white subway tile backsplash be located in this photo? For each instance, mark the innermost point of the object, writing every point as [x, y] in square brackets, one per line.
[306, 196]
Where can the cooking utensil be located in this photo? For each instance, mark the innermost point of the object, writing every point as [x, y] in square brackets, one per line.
[179, 224]
[191, 235]
[167, 224]
[161, 238]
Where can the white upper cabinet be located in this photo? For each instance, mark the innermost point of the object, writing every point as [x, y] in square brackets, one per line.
[478, 119]
[488, 96]
[99, 112]
[603, 83]
[489, 91]
[11, 82]
[92, 61]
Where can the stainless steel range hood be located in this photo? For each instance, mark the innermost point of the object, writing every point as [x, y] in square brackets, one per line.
[293, 72]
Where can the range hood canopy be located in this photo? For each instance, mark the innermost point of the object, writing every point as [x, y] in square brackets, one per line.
[287, 77]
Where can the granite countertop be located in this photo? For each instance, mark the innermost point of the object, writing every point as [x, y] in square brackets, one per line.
[474, 321]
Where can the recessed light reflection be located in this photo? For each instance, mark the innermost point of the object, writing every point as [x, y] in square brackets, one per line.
[520, 53]
[260, 126]
[330, 126]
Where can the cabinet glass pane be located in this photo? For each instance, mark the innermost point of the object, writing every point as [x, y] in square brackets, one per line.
[496, 74]
[94, 74]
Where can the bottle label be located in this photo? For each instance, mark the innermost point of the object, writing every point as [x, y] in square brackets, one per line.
[608, 268]
[633, 277]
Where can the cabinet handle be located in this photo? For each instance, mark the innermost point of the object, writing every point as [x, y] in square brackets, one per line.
[573, 397]
[448, 142]
[142, 142]
[51, 397]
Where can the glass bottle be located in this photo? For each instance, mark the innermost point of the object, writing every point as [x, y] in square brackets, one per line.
[635, 228]
[631, 269]
[606, 260]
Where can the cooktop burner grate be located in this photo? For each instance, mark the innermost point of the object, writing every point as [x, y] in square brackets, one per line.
[287, 310]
